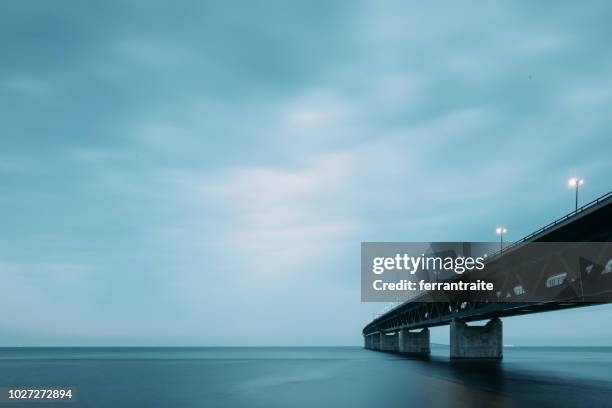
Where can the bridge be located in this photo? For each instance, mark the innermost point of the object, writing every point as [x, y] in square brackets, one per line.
[405, 328]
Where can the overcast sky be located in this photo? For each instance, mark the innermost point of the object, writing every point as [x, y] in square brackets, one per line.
[202, 173]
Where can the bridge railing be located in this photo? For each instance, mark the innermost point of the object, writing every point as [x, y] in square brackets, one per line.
[554, 223]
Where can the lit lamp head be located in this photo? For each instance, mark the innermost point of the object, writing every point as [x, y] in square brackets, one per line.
[500, 230]
[575, 182]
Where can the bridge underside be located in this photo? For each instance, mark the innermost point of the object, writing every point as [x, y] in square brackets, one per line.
[428, 314]
[408, 333]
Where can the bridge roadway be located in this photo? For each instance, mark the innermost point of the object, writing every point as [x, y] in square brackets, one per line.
[405, 328]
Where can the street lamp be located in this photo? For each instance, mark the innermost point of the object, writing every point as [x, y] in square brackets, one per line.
[576, 183]
[501, 231]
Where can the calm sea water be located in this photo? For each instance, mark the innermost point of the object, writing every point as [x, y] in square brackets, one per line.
[311, 377]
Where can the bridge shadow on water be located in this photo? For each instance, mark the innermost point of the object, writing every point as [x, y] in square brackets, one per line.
[500, 383]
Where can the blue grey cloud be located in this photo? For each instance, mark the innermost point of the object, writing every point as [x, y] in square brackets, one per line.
[181, 173]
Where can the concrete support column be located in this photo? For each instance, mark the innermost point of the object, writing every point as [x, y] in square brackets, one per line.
[375, 341]
[369, 341]
[388, 342]
[414, 342]
[476, 341]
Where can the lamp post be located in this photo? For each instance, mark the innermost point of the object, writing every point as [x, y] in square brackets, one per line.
[501, 231]
[576, 183]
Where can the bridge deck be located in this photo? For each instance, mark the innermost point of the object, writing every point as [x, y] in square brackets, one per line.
[591, 223]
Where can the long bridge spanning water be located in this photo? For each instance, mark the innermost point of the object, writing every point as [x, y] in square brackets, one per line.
[405, 328]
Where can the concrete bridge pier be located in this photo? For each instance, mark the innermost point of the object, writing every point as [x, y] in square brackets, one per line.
[476, 341]
[369, 341]
[375, 341]
[416, 343]
[388, 341]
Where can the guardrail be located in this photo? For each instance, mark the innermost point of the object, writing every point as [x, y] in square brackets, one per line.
[593, 203]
